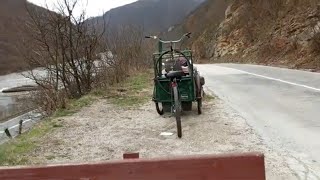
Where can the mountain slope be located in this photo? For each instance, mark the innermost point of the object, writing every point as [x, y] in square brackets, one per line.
[151, 15]
[281, 33]
[202, 23]
[13, 15]
[273, 32]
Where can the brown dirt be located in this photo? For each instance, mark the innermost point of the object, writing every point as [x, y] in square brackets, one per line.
[104, 132]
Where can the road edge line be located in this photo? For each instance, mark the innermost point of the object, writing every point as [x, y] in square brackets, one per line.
[275, 79]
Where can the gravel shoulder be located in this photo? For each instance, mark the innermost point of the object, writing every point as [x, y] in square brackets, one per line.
[104, 131]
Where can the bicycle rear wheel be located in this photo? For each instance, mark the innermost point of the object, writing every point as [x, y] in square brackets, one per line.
[199, 101]
[159, 110]
[177, 111]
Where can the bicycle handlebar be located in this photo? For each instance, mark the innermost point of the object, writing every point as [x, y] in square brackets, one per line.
[165, 42]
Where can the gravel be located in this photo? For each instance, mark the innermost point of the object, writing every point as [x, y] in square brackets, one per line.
[104, 131]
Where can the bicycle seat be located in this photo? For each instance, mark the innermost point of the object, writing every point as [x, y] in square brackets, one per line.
[175, 74]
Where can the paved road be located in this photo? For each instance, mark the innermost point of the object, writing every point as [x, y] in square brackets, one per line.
[282, 105]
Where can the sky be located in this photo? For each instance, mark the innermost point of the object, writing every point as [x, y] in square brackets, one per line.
[92, 7]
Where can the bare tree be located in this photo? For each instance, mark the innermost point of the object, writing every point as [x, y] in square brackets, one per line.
[131, 52]
[64, 46]
[72, 53]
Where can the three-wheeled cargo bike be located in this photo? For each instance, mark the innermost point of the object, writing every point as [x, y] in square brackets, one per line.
[177, 83]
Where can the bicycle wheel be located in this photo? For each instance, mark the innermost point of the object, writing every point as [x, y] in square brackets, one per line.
[200, 101]
[177, 111]
[160, 111]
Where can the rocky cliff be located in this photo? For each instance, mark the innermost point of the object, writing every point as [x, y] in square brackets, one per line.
[203, 23]
[271, 32]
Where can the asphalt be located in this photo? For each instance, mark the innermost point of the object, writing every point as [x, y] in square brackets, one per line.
[282, 105]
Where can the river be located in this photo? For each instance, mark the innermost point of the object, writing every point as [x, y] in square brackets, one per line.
[12, 103]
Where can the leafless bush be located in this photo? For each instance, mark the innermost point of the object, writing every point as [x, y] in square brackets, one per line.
[131, 52]
[73, 55]
[64, 46]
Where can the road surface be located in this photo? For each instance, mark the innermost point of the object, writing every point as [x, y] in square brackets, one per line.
[282, 105]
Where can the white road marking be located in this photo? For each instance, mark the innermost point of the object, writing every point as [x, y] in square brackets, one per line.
[280, 80]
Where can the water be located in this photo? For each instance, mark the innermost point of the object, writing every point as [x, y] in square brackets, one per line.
[12, 103]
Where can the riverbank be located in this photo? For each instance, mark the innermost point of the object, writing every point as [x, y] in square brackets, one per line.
[14, 104]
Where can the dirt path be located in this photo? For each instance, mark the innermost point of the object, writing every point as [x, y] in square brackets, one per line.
[103, 132]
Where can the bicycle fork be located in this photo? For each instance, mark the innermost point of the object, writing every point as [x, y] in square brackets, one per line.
[173, 85]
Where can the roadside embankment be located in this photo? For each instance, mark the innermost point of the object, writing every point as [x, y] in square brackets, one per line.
[105, 124]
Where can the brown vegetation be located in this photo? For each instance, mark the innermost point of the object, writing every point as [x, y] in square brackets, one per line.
[153, 16]
[283, 32]
[269, 32]
[203, 23]
[13, 15]
[72, 54]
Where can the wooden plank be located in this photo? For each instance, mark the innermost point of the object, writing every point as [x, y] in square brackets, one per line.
[131, 156]
[218, 167]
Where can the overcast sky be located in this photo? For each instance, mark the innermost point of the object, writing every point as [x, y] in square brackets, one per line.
[93, 7]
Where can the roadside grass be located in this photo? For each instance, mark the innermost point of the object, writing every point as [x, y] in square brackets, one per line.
[208, 97]
[74, 105]
[14, 152]
[134, 91]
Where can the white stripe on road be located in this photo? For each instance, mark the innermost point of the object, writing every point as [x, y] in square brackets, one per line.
[275, 79]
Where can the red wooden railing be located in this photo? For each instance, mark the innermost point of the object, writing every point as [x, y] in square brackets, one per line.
[217, 167]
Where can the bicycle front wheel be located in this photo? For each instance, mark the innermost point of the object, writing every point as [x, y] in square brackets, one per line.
[177, 110]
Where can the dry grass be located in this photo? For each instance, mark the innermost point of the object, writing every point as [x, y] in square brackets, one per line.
[134, 91]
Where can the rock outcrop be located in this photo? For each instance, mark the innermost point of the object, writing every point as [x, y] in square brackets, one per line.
[270, 32]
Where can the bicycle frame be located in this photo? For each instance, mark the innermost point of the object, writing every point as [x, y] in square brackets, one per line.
[174, 84]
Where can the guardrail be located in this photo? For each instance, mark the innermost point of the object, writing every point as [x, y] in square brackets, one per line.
[14, 115]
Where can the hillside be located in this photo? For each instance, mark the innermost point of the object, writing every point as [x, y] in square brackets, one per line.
[13, 15]
[271, 32]
[151, 15]
[279, 33]
[203, 23]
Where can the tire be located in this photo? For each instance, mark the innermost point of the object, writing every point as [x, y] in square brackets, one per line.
[200, 102]
[199, 106]
[160, 111]
[177, 111]
[202, 81]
